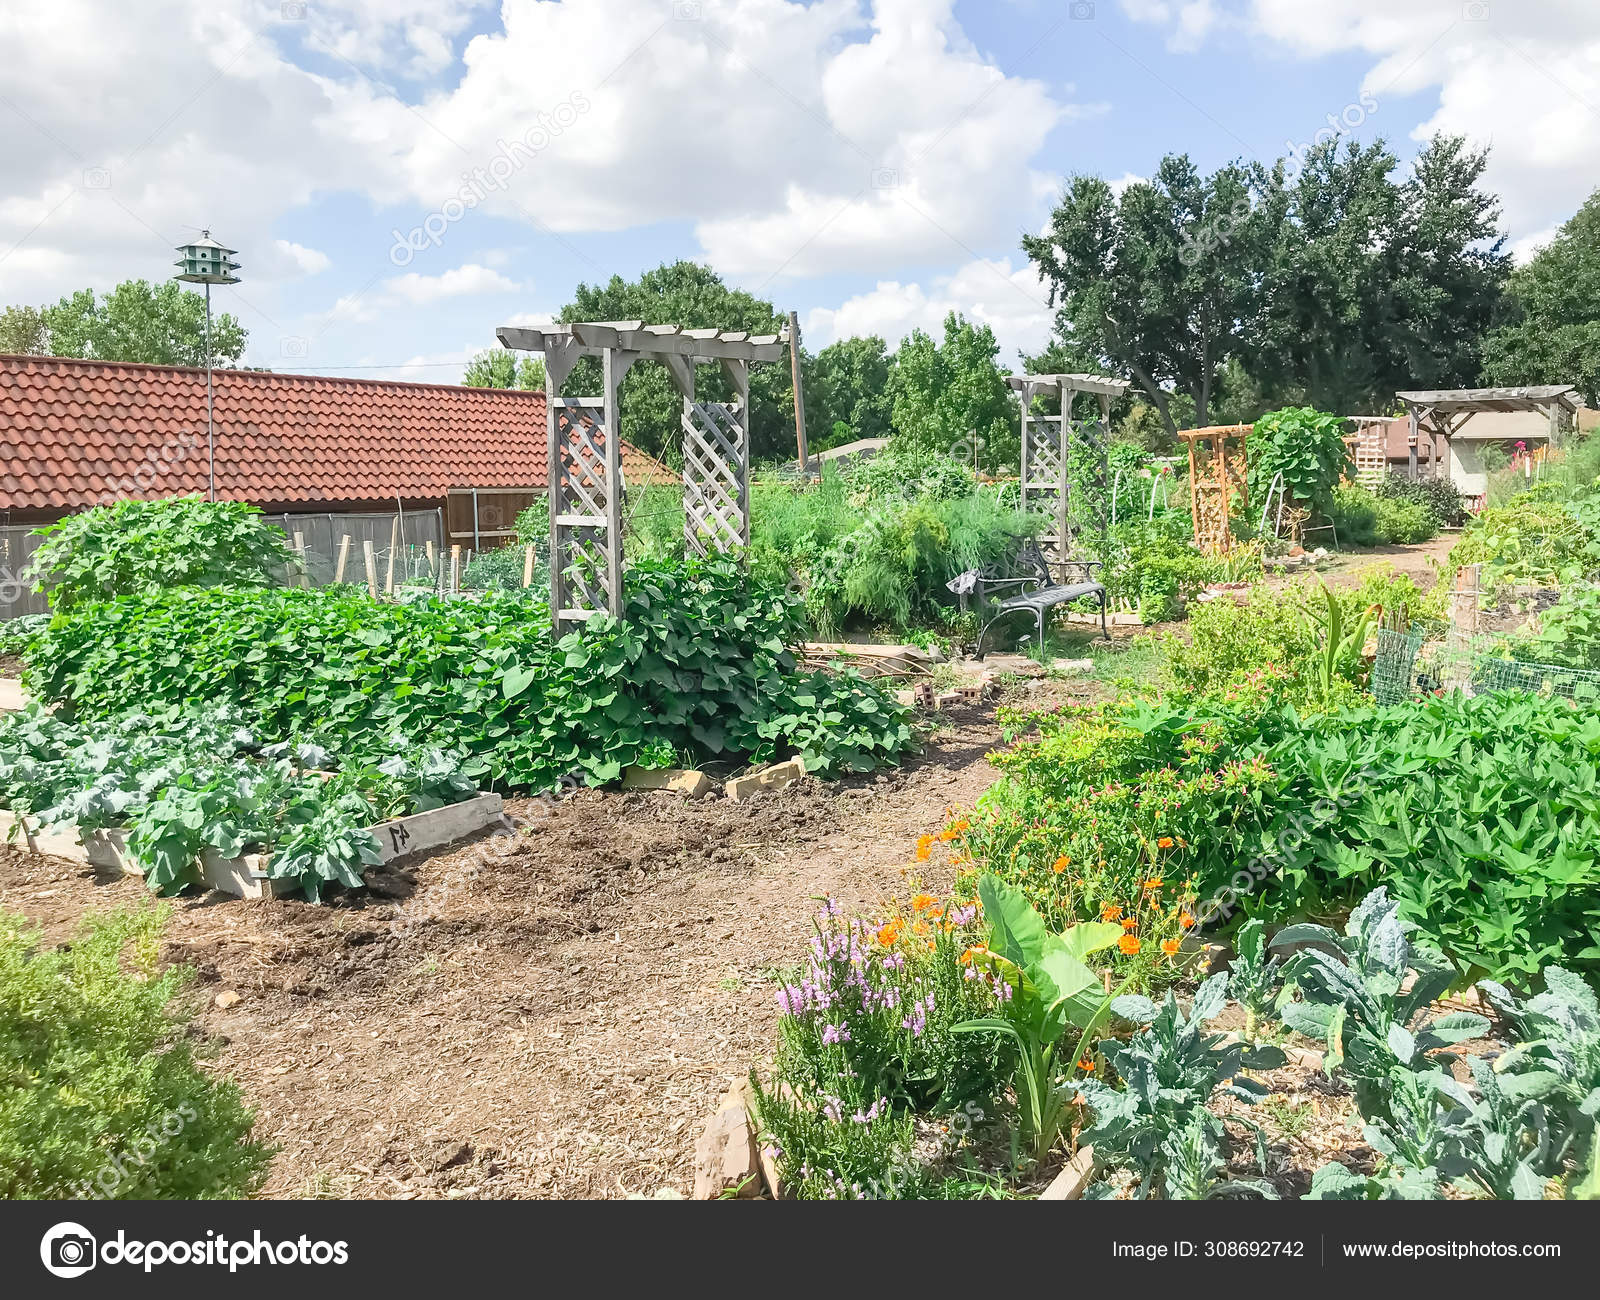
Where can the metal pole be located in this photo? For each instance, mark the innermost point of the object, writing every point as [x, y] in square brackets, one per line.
[211, 432]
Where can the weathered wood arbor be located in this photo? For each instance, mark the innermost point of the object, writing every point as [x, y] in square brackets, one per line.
[1446, 411]
[586, 488]
[1217, 472]
[1049, 455]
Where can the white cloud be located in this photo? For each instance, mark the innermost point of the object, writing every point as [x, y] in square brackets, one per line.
[1523, 249]
[307, 260]
[1522, 78]
[1126, 179]
[1012, 303]
[471, 278]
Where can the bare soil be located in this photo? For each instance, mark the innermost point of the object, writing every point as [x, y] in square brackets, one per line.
[548, 1014]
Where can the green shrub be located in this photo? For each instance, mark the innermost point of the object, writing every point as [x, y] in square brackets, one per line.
[1438, 494]
[701, 663]
[141, 547]
[1354, 513]
[103, 1096]
[16, 633]
[1405, 522]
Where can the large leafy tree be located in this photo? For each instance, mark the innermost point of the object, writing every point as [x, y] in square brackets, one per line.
[502, 368]
[951, 397]
[848, 396]
[694, 296]
[1376, 284]
[161, 324]
[1162, 282]
[1551, 334]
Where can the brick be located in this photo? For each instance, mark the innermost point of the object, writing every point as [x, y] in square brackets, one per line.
[680, 780]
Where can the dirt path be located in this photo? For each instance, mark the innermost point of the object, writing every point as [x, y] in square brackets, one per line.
[547, 1015]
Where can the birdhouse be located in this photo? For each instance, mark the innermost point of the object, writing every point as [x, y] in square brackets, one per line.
[206, 262]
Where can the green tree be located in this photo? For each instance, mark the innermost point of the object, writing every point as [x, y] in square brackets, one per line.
[502, 368]
[1551, 334]
[850, 391]
[946, 395]
[1373, 284]
[23, 331]
[694, 296]
[137, 321]
[1161, 283]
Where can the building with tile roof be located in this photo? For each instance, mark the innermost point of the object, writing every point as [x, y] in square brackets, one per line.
[76, 433]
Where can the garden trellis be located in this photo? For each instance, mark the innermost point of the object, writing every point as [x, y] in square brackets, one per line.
[586, 488]
[1215, 480]
[1053, 444]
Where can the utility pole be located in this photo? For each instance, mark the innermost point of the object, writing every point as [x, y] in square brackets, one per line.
[799, 402]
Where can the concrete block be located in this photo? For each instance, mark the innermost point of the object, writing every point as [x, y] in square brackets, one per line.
[677, 779]
[767, 778]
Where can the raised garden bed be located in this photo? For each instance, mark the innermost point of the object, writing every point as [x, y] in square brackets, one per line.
[246, 876]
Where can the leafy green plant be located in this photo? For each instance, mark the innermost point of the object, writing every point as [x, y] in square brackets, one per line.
[142, 547]
[701, 662]
[1255, 976]
[1342, 637]
[1557, 1061]
[1306, 446]
[1158, 1121]
[1051, 990]
[1351, 998]
[103, 1095]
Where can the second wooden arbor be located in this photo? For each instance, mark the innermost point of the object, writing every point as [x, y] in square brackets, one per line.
[585, 468]
[1217, 474]
[1055, 451]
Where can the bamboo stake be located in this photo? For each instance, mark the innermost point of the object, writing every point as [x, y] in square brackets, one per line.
[344, 556]
[527, 565]
[372, 567]
[455, 567]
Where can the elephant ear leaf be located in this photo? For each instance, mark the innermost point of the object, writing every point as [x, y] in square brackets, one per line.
[1090, 936]
[1015, 930]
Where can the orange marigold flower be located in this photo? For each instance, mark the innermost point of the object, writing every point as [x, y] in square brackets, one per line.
[888, 934]
[1110, 912]
[924, 847]
[1155, 882]
[974, 951]
[1130, 923]
[1165, 842]
[1086, 1064]
[1061, 864]
[921, 902]
[960, 827]
[1170, 947]
[1129, 944]
[1186, 920]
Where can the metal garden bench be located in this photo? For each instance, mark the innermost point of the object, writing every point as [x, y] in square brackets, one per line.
[1035, 589]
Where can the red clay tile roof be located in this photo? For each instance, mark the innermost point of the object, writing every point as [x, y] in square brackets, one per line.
[74, 433]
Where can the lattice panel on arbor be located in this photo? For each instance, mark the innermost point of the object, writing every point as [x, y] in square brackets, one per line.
[1371, 454]
[1217, 468]
[716, 483]
[1044, 479]
[1088, 479]
[588, 484]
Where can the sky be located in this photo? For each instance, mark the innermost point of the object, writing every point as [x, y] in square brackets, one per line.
[401, 177]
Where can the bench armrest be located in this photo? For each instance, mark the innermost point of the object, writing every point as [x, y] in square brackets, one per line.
[1087, 566]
